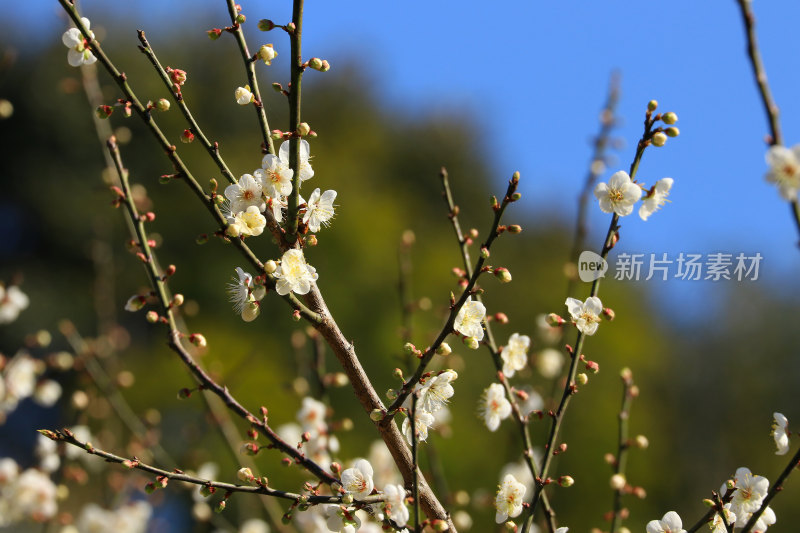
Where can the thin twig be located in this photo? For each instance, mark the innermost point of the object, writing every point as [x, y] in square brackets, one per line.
[295, 94]
[415, 465]
[623, 445]
[770, 107]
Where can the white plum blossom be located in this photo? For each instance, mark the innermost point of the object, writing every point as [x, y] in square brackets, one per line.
[509, 499]
[422, 421]
[79, 53]
[247, 223]
[394, 505]
[515, 354]
[750, 492]
[275, 176]
[239, 292]
[358, 479]
[586, 315]
[267, 53]
[494, 406]
[549, 363]
[131, 518]
[340, 520]
[30, 496]
[12, 302]
[670, 523]
[656, 199]
[9, 471]
[470, 318]
[243, 95]
[618, 195]
[306, 172]
[246, 192]
[780, 433]
[521, 472]
[784, 170]
[294, 274]
[766, 519]
[319, 209]
[437, 391]
[20, 375]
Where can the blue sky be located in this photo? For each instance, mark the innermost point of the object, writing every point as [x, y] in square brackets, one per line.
[535, 76]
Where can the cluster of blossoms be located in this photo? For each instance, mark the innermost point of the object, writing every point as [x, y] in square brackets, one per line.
[27, 495]
[433, 393]
[620, 195]
[19, 379]
[12, 302]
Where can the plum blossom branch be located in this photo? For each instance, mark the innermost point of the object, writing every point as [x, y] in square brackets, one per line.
[158, 280]
[495, 230]
[236, 29]
[570, 388]
[177, 94]
[261, 486]
[770, 107]
[295, 93]
[776, 487]
[171, 152]
[629, 392]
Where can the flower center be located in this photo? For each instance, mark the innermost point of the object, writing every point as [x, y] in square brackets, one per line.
[615, 195]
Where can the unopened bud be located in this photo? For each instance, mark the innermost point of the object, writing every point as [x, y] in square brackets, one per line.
[471, 343]
[582, 379]
[515, 228]
[502, 274]
[511, 526]
[267, 53]
[672, 131]
[220, 506]
[501, 318]
[554, 320]
[311, 240]
[609, 458]
[177, 300]
[184, 393]
[485, 252]
[214, 33]
[198, 340]
[617, 482]
[659, 138]
[652, 105]
[391, 394]
[265, 25]
[104, 111]
[270, 266]
[376, 415]
[245, 474]
[516, 196]
[177, 76]
[566, 481]
[642, 442]
[444, 349]
[708, 502]
[152, 317]
[276, 135]
[315, 63]
[730, 484]
[347, 499]
[397, 373]
[609, 314]
[669, 118]
[325, 66]
[187, 136]
[303, 128]
[240, 19]
[277, 87]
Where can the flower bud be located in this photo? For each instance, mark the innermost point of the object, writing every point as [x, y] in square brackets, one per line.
[485, 252]
[315, 63]
[163, 104]
[303, 128]
[267, 53]
[270, 266]
[652, 105]
[511, 526]
[617, 482]
[245, 474]
[177, 300]
[397, 373]
[391, 394]
[566, 481]
[311, 240]
[440, 525]
[582, 379]
[672, 131]
[152, 317]
[376, 415]
[184, 393]
[325, 66]
[214, 33]
[251, 311]
[669, 118]
[240, 19]
[104, 111]
[265, 25]
[135, 303]
[187, 136]
[409, 348]
[642, 442]
[177, 76]
[243, 95]
[516, 196]
[276, 135]
[277, 87]
[471, 343]
[502, 274]
[198, 340]
[444, 349]
[659, 138]
[220, 506]
[554, 320]
[709, 502]
[730, 484]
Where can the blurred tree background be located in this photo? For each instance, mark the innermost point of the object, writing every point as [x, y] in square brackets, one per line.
[708, 386]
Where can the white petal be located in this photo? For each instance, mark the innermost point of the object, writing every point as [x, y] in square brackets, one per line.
[74, 57]
[72, 37]
[594, 305]
[574, 306]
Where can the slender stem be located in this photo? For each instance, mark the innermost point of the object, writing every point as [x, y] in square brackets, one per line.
[570, 388]
[68, 437]
[158, 280]
[770, 107]
[596, 167]
[623, 445]
[177, 95]
[295, 93]
[776, 487]
[249, 63]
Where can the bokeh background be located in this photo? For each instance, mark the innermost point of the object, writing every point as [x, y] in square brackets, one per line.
[484, 90]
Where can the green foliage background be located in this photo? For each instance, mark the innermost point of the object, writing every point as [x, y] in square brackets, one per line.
[708, 388]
